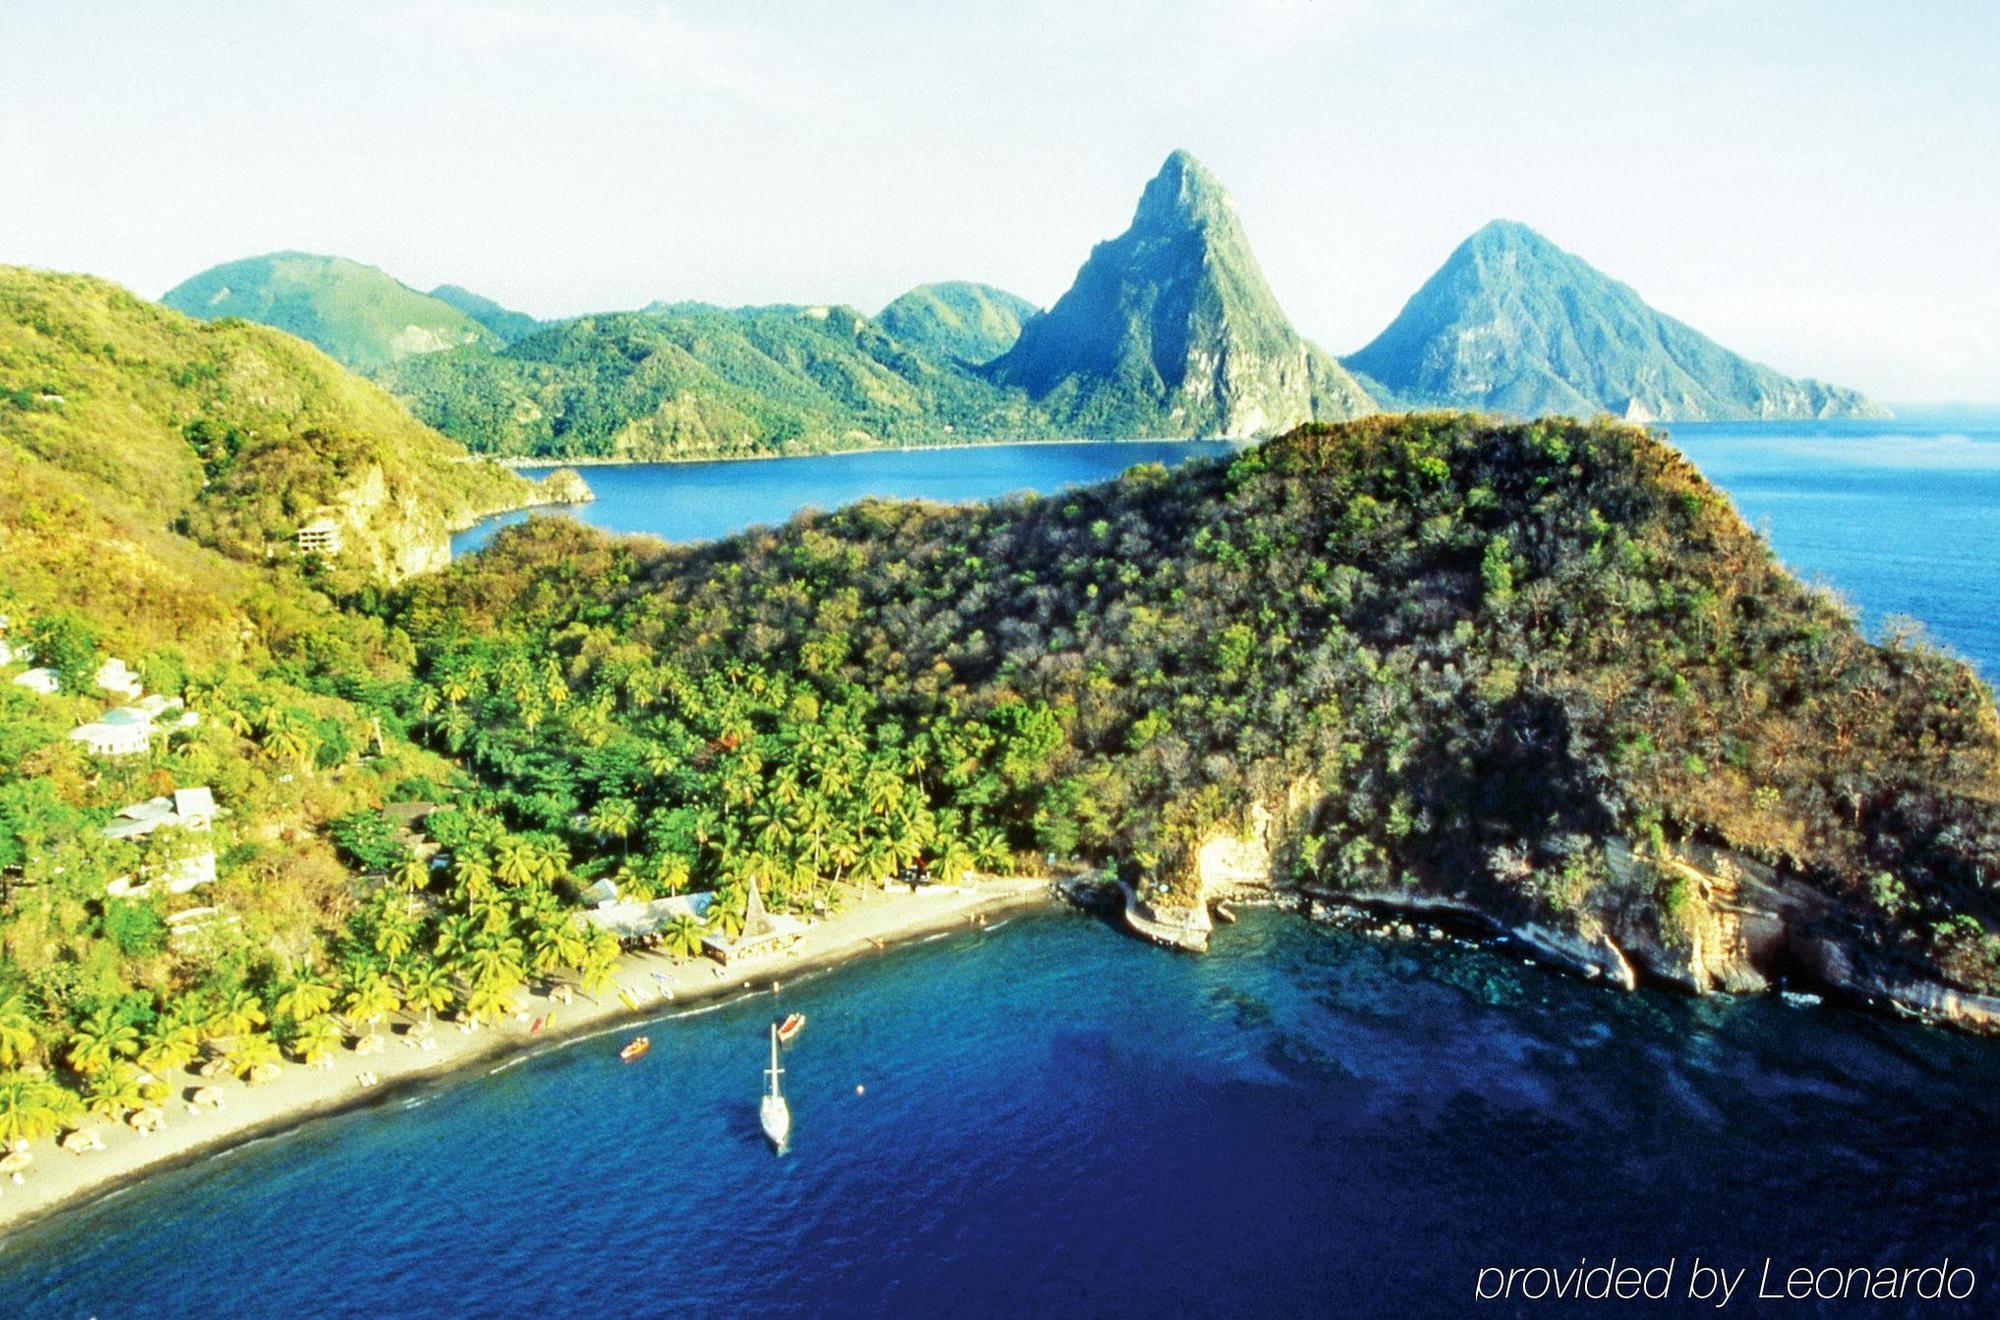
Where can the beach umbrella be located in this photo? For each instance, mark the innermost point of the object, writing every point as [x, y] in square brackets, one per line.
[144, 1120]
[15, 1160]
[419, 1030]
[265, 1072]
[206, 1095]
[81, 1140]
[369, 1044]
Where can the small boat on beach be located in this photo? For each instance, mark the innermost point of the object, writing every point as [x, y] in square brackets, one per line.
[634, 1048]
[789, 1029]
[772, 1112]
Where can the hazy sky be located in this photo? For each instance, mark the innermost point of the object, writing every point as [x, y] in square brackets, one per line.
[1814, 183]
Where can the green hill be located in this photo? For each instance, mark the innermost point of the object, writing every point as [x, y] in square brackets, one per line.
[152, 471]
[972, 323]
[1513, 324]
[1539, 672]
[506, 324]
[360, 316]
[142, 423]
[1171, 330]
[687, 380]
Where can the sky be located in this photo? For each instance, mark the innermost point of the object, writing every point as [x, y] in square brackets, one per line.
[1814, 183]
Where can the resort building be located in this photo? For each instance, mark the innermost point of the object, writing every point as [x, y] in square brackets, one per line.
[113, 676]
[321, 536]
[763, 933]
[189, 809]
[44, 681]
[636, 921]
[126, 731]
[129, 730]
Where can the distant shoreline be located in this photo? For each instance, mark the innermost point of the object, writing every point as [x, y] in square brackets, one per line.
[518, 463]
[59, 1181]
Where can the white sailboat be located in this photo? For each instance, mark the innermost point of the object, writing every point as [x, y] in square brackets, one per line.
[772, 1111]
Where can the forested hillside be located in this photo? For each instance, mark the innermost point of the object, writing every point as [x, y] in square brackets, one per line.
[1484, 658]
[153, 472]
[690, 381]
[360, 316]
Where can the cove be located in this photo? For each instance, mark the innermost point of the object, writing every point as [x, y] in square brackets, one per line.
[1060, 1119]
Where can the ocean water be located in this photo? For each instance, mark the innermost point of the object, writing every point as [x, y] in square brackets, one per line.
[697, 501]
[1901, 516]
[1059, 1120]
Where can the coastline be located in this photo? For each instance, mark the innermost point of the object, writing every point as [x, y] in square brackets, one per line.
[516, 462]
[59, 1181]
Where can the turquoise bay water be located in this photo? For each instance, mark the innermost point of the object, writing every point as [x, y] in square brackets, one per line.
[1061, 1121]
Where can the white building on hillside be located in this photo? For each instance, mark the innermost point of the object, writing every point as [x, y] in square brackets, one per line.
[113, 676]
[126, 731]
[320, 536]
[44, 681]
[189, 809]
[129, 730]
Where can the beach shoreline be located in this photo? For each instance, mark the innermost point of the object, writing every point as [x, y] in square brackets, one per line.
[59, 1182]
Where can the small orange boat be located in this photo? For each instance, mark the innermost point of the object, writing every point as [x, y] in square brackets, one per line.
[638, 1045]
[789, 1029]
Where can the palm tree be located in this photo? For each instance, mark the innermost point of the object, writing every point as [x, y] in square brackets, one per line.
[17, 1031]
[251, 1051]
[682, 936]
[473, 873]
[100, 1042]
[317, 1039]
[239, 1013]
[990, 851]
[414, 873]
[428, 987]
[555, 944]
[953, 861]
[287, 737]
[306, 999]
[116, 1092]
[369, 996]
[32, 1107]
[169, 1046]
[600, 960]
[518, 863]
[615, 818]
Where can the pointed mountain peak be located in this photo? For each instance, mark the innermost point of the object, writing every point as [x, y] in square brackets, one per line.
[1182, 193]
[1171, 329]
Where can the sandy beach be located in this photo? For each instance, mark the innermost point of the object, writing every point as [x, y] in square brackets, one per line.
[58, 1179]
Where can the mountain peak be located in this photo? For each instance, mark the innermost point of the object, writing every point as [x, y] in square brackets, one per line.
[1512, 323]
[1182, 193]
[1171, 329]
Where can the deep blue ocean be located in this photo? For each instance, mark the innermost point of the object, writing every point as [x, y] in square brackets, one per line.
[1059, 1120]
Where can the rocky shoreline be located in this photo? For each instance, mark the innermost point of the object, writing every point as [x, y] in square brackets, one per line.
[1747, 927]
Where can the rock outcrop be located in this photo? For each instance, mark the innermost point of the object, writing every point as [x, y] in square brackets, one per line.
[1697, 918]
